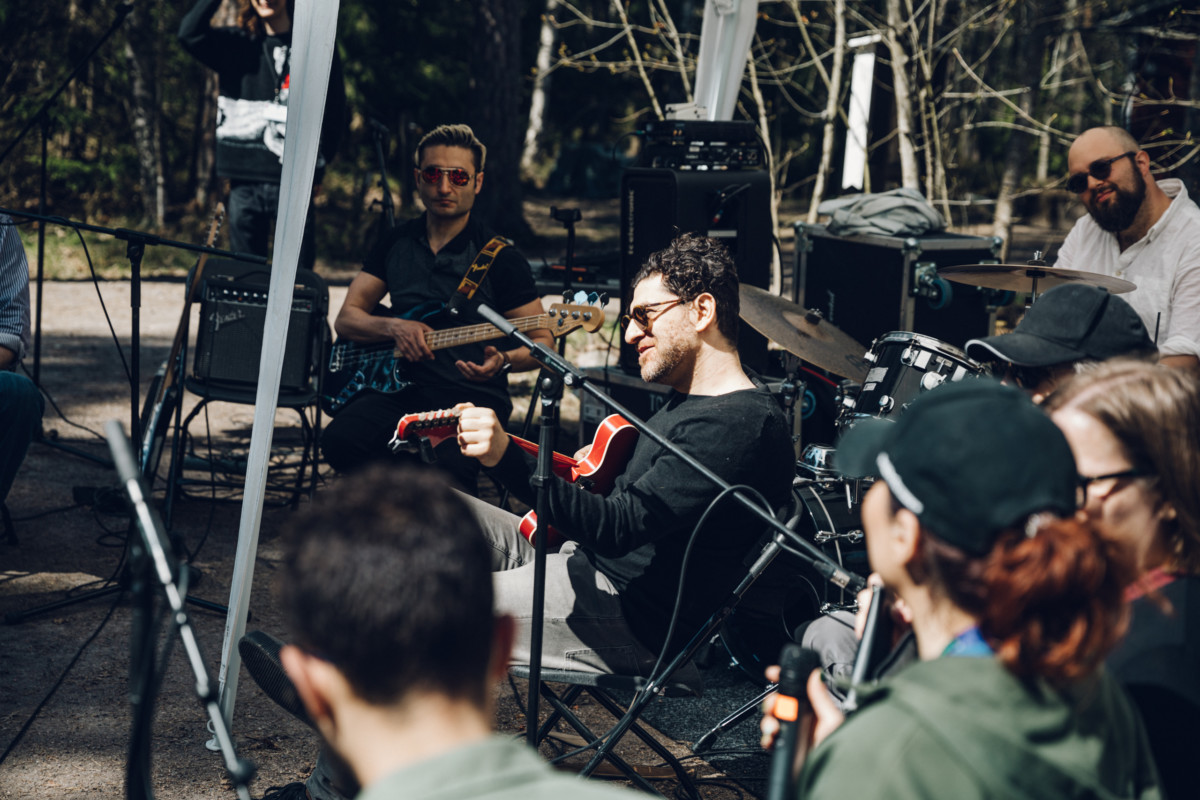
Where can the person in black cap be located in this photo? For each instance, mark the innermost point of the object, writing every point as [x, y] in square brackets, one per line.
[1067, 327]
[1014, 603]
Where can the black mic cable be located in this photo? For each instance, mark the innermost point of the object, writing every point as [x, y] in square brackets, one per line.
[791, 704]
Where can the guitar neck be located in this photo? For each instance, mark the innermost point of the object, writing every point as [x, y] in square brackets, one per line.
[469, 334]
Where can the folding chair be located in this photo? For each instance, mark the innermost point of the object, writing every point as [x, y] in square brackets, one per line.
[228, 348]
[601, 687]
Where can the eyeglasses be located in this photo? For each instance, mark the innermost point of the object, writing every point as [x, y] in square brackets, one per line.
[1099, 169]
[641, 314]
[1085, 483]
[457, 176]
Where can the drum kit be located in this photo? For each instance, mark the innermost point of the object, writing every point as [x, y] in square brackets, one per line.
[879, 382]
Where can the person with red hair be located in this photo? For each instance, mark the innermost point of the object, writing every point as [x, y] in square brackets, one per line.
[1015, 603]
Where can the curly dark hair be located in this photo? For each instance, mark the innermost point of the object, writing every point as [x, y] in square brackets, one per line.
[693, 265]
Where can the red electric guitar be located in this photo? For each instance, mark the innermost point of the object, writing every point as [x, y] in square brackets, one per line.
[611, 449]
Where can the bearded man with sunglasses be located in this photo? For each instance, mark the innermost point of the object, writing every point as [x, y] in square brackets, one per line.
[1140, 230]
[420, 265]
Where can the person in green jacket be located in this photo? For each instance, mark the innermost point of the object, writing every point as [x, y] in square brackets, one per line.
[1014, 602]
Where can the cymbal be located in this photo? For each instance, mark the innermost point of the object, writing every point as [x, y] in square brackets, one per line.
[803, 333]
[1030, 277]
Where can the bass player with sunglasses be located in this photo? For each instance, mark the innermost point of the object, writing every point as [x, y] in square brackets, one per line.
[1140, 230]
[422, 265]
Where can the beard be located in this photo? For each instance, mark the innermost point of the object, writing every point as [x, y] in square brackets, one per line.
[665, 358]
[1120, 212]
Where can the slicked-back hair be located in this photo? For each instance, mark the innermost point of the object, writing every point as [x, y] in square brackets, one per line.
[389, 579]
[452, 136]
[692, 265]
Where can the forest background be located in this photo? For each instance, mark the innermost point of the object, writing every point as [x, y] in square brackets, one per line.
[975, 103]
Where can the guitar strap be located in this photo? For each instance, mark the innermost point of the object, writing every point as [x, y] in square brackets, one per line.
[480, 266]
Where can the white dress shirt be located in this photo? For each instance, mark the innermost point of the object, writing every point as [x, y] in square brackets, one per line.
[1165, 265]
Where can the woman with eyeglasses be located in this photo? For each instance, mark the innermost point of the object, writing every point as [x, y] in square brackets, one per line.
[1015, 602]
[1135, 431]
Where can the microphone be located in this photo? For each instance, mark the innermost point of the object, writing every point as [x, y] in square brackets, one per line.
[872, 649]
[791, 703]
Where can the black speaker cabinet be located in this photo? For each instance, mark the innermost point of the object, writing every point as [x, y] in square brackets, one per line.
[659, 204]
[870, 285]
[229, 341]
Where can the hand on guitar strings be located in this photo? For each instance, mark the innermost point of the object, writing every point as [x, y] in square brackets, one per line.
[409, 336]
[480, 434]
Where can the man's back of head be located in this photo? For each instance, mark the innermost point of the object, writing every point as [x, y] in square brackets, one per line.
[389, 580]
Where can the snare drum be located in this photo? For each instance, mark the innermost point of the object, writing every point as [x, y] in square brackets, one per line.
[902, 366]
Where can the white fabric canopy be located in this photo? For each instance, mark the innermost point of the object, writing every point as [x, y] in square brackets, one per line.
[313, 31]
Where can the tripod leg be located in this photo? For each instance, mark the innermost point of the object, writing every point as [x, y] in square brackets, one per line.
[706, 741]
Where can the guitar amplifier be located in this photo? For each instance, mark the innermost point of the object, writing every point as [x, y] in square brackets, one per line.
[229, 341]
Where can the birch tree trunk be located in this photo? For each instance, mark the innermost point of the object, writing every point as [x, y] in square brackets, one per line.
[144, 113]
[832, 103]
[541, 86]
[909, 175]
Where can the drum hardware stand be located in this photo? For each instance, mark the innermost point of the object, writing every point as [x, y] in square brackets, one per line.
[135, 248]
[41, 117]
[572, 376]
[789, 390]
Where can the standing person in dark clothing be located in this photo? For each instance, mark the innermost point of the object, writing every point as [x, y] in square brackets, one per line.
[420, 267]
[252, 62]
[611, 589]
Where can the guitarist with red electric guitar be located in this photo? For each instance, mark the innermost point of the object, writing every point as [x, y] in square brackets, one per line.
[429, 265]
[611, 589]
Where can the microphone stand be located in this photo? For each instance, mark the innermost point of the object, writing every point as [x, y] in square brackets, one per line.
[573, 377]
[153, 558]
[135, 247]
[42, 117]
[379, 134]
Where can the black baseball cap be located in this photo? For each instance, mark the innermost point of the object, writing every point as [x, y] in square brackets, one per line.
[970, 459]
[1071, 322]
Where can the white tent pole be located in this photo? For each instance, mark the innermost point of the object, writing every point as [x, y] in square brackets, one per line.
[313, 31]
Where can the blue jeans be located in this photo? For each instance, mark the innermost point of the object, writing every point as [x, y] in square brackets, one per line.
[21, 407]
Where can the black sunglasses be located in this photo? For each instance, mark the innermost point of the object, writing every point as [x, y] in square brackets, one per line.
[1099, 169]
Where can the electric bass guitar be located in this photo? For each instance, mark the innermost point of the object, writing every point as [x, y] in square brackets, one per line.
[164, 389]
[356, 367]
[611, 450]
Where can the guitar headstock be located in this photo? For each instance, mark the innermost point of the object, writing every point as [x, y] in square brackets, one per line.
[569, 316]
[434, 426]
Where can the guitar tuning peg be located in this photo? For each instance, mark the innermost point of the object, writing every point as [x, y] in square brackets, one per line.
[580, 296]
[603, 299]
[593, 297]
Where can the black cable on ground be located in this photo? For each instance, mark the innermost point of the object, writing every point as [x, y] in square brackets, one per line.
[54, 689]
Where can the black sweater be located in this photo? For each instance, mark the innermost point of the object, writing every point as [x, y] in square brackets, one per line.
[637, 535]
[254, 77]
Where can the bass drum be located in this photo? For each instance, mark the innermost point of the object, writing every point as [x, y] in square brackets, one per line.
[790, 592]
